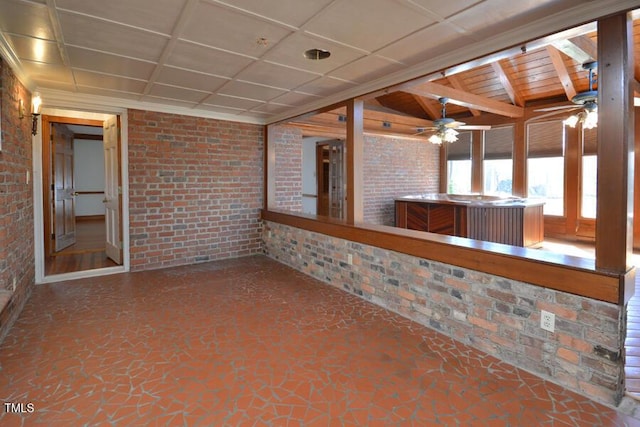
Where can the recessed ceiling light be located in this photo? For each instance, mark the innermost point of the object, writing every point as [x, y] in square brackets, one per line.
[317, 54]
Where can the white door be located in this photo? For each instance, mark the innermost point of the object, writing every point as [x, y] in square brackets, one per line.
[63, 201]
[113, 190]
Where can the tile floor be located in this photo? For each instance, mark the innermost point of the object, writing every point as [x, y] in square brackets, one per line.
[252, 342]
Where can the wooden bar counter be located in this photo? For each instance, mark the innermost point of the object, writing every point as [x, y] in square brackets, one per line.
[512, 221]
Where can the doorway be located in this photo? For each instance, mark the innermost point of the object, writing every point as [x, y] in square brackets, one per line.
[330, 170]
[82, 196]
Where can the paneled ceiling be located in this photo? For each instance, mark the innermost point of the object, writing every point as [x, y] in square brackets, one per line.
[243, 59]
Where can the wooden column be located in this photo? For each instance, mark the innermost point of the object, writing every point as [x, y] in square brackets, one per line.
[444, 169]
[355, 162]
[614, 223]
[572, 179]
[269, 201]
[636, 181]
[519, 183]
[477, 162]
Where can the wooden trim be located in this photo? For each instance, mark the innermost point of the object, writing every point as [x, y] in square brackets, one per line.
[269, 201]
[80, 193]
[572, 179]
[551, 270]
[87, 136]
[89, 217]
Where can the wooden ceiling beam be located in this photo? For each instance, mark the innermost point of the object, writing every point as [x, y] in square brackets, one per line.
[508, 83]
[432, 112]
[457, 83]
[561, 70]
[465, 99]
[581, 49]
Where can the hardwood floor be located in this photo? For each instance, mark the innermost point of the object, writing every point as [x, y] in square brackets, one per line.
[87, 253]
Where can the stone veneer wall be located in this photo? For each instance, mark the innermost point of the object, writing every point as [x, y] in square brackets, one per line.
[195, 187]
[496, 315]
[17, 265]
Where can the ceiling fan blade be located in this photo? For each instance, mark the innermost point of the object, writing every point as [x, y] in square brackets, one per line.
[558, 107]
[453, 125]
[475, 127]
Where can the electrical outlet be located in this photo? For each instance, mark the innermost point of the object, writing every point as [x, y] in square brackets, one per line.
[269, 234]
[547, 321]
[349, 259]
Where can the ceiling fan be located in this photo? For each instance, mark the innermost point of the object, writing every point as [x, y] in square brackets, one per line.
[444, 128]
[586, 102]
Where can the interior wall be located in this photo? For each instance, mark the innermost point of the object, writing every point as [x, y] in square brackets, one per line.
[196, 189]
[17, 271]
[394, 168]
[88, 175]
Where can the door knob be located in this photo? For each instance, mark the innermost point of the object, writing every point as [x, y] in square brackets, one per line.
[105, 200]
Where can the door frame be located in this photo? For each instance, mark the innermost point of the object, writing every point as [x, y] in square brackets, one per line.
[39, 173]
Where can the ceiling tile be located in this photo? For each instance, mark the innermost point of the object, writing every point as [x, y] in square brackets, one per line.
[111, 64]
[176, 102]
[291, 12]
[33, 49]
[275, 75]
[444, 9]
[189, 79]
[271, 108]
[291, 53]
[155, 15]
[41, 72]
[325, 86]
[219, 109]
[426, 43]
[179, 93]
[383, 22]
[110, 93]
[200, 58]
[366, 69]
[231, 102]
[99, 35]
[488, 18]
[233, 31]
[29, 19]
[249, 90]
[295, 98]
[87, 78]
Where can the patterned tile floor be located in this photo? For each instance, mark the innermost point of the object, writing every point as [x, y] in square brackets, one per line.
[252, 342]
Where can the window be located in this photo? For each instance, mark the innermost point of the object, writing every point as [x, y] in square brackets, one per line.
[498, 161]
[589, 173]
[545, 165]
[459, 164]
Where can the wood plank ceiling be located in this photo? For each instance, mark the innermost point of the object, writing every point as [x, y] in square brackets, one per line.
[551, 74]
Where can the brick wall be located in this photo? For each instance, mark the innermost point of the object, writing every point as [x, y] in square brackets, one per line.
[392, 168]
[288, 172]
[395, 168]
[498, 316]
[16, 201]
[195, 189]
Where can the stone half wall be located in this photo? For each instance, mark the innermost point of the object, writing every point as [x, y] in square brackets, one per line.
[496, 315]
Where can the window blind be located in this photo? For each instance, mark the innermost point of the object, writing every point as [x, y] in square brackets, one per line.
[498, 143]
[546, 139]
[460, 149]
